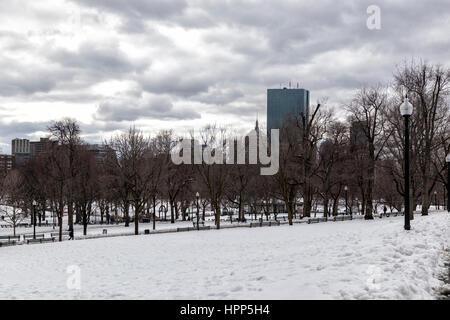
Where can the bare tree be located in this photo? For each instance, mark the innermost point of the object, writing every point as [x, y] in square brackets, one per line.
[133, 153]
[12, 199]
[332, 161]
[367, 109]
[85, 185]
[67, 133]
[427, 87]
[214, 175]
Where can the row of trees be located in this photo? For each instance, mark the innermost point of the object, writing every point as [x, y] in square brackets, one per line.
[320, 154]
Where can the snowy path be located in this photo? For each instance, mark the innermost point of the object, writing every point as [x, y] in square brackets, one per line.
[342, 260]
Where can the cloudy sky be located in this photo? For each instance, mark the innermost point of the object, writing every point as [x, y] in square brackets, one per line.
[181, 64]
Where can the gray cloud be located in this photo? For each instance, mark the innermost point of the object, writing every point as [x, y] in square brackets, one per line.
[22, 128]
[139, 8]
[217, 56]
[27, 82]
[158, 108]
[176, 84]
[94, 57]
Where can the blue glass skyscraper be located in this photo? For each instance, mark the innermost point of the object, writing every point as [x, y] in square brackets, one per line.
[282, 103]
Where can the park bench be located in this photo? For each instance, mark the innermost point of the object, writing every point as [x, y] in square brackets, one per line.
[26, 225]
[194, 223]
[264, 224]
[342, 218]
[183, 229]
[200, 228]
[56, 234]
[7, 244]
[313, 220]
[10, 238]
[30, 236]
[41, 240]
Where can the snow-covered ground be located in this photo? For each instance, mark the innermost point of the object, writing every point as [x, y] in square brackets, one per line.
[336, 260]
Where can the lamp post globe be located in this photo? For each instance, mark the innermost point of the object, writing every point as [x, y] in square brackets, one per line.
[406, 110]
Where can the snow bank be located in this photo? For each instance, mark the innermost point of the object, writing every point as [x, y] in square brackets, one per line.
[335, 260]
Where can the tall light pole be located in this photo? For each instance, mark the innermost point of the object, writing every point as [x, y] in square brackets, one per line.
[447, 159]
[406, 110]
[346, 199]
[197, 195]
[34, 219]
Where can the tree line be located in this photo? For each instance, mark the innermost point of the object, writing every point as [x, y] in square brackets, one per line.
[321, 154]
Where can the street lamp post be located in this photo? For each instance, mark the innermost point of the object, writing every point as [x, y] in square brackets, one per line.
[34, 219]
[406, 110]
[197, 195]
[346, 199]
[447, 159]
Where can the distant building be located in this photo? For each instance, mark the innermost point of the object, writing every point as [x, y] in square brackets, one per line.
[38, 147]
[282, 103]
[100, 151]
[6, 163]
[358, 138]
[20, 146]
[20, 149]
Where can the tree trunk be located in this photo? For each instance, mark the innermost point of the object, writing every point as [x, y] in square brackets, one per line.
[290, 209]
[137, 209]
[307, 201]
[240, 215]
[60, 225]
[102, 212]
[127, 214]
[84, 215]
[425, 194]
[172, 212]
[70, 214]
[217, 216]
[325, 207]
[335, 206]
